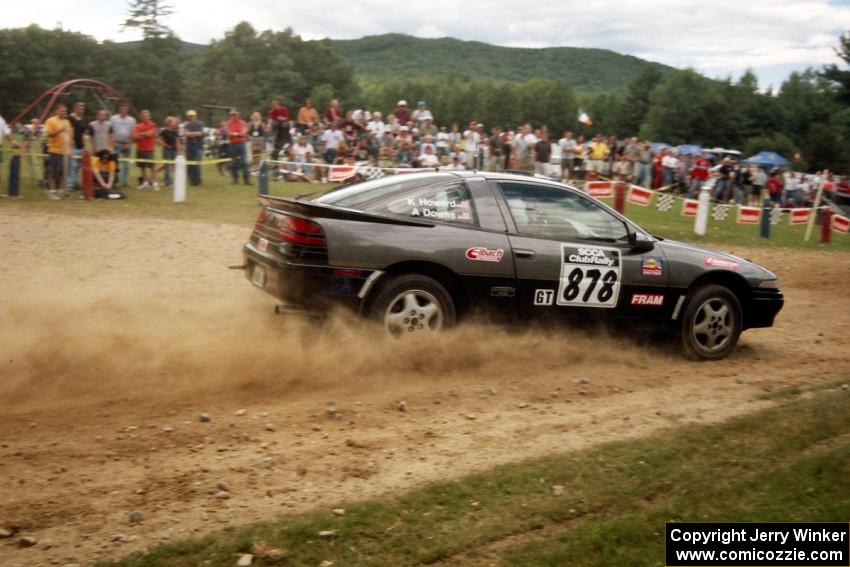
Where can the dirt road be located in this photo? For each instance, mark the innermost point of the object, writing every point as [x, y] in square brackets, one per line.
[116, 335]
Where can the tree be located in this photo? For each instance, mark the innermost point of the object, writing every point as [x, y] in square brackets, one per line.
[636, 104]
[686, 108]
[840, 76]
[147, 15]
[805, 99]
[779, 143]
[247, 69]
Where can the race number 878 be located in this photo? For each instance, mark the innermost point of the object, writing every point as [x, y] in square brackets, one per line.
[590, 277]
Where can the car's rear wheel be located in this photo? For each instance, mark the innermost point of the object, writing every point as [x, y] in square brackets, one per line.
[413, 305]
[712, 323]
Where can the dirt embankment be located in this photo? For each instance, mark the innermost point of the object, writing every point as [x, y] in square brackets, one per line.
[116, 334]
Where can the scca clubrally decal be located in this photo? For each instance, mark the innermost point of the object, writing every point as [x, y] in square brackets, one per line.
[590, 276]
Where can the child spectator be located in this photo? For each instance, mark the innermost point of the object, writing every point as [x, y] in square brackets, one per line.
[103, 171]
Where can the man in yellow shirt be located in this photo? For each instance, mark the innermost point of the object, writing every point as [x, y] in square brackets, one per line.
[59, 133]
[599, 152]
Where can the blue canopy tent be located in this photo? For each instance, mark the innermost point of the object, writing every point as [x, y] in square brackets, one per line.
[658, 146]
[767, 159]
[690, 150]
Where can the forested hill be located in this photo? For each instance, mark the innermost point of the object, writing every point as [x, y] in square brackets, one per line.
[404, 56]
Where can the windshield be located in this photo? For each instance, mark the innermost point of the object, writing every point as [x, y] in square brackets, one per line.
[353, 196]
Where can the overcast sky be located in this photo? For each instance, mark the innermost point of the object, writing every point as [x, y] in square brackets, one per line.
[717, 37]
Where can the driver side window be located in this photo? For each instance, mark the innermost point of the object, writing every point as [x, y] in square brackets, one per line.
[558, 214]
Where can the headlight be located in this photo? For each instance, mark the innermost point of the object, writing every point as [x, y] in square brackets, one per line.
[769, 284]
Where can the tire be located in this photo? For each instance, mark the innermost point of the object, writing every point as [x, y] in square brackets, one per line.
[413, 305]
[712, 323]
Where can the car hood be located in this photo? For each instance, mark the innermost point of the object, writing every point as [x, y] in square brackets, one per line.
[675, 248]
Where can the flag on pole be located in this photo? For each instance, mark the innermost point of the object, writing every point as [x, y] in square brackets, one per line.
[799, 216]
[341, 172]
[368, 172]
[689, 207]
[840, 224]
[665, 202]
[599, 189]
[720, 212]
[584, 118]
[640, 196]
[749, 215]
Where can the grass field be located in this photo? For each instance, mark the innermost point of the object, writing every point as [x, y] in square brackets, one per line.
[219, 201]
[605, 506]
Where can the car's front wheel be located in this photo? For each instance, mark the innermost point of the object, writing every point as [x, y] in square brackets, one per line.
[412, 305]
[712, 323]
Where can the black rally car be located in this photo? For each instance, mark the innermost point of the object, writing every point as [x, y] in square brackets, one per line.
[419, 252]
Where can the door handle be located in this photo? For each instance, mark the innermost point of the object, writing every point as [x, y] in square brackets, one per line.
[524, 254]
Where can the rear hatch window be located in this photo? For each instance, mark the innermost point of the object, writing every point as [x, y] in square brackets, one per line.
[360, 195]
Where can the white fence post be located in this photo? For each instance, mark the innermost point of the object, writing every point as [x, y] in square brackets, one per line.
[701, 222]
[180, 179]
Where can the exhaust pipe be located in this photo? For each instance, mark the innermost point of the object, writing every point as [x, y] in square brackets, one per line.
[284, 309]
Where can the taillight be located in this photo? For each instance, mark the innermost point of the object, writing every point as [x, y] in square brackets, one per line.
[301, 231]
[262, 218]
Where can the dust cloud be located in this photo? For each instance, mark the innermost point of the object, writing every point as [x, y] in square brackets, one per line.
[100, 344]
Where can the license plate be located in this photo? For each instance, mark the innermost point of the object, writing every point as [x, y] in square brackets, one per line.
[258, 276]
[263, 244]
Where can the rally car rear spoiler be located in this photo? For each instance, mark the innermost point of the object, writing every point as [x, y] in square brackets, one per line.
[320, 210]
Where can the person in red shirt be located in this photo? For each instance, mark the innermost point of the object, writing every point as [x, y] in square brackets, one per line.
[699, 173]
[237, 134]
[402, 113]
[279, 126]
[658, 169]
[774, 187]
[144, 134]
[333, 113]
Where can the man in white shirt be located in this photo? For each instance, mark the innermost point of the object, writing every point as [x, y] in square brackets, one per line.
[426, 141]
[669, 164]
[471, 139]
[122, 134]
[360, 114]
[523, 147]
[567, 145]
[377, 126]
[421, 114]
[303, 153]
[442, 142]
[428, 158]
[331, 139]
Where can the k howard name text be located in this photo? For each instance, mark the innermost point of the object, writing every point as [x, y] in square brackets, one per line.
[727, 536]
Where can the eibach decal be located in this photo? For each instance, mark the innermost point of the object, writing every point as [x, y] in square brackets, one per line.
[482, 254]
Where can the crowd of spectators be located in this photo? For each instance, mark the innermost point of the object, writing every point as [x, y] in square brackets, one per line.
[300, 147]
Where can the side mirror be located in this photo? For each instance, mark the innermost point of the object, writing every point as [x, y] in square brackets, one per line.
[640, 242]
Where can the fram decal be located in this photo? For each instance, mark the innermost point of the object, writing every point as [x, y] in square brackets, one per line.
[652, 266]
[648, 299]
[712, 262]
[485, 254]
